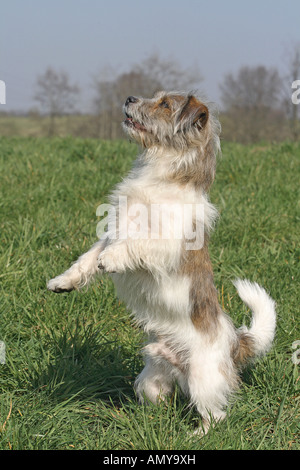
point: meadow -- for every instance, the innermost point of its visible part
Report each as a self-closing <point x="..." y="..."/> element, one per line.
<point x="71" y="359"/>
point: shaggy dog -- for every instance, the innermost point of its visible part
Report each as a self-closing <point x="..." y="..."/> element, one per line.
<point x="167" y="281"/>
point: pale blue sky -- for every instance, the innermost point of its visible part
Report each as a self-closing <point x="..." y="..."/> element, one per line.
<point x="84" y="36"/>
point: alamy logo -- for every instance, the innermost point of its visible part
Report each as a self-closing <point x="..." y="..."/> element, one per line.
<point x="152" y="221"/>
<point x="2" y="352"/>
<point x="296" y="354"/>
<point x="2" y="92"/>
<point x="296" y="94"/>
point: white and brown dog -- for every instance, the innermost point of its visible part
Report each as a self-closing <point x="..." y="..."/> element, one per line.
<point x="167" y="281"/>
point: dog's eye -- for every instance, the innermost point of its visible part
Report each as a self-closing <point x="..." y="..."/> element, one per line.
<point x="164" y="104"/>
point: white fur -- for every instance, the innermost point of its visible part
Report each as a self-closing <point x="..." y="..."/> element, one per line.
<point x="263" y="322"/>
<point x="147" y="277"/>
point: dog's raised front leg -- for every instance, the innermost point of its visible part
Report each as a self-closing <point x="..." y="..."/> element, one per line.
<point x="154" y="255"/>
<point x="80" y="273"/>
<point x="115" y="258"/>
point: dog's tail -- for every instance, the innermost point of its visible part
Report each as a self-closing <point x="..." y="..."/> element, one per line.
<point x="257" y="339"/>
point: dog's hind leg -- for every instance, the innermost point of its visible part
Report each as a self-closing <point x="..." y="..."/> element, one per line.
<point x="80" y="273"/>
<point x="210" y="385"/>
<point x="155" y="381"/>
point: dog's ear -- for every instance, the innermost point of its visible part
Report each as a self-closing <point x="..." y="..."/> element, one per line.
<point x="193" y="113"/>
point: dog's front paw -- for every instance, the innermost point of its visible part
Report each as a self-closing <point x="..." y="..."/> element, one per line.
<point x="61" y="283"/>
<point x="113" y="259"/>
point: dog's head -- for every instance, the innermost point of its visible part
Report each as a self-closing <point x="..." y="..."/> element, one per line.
<point x="183" y="130"/>
<point x="168" y="120"/>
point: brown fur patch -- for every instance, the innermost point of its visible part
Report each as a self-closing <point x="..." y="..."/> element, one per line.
<point x="162" y="350"/>
<point x="196" y="110"/>
<point x="244" y="349"/>
<point x="203" y="293"/>
<point x="165" y="112"/>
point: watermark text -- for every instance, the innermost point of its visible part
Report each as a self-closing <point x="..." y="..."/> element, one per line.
<point x="2" y="92"/>
<point x="296" y="354"/>
<point x="163" y="221"/>
<point x="296" y="94"/>
<point x="2" y="352"/>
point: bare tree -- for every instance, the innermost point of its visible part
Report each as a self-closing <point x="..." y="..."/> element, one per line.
<point x="168" y="74"/>
<point x="253" y="87"/>
<point x="55" y="94"/>
<point x="253" y="103"/>
<point x="110" y="96"/>
<point x="144" y="79"/>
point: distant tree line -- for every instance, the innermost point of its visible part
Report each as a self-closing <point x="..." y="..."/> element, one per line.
<point x="55" y="95"/>
<point x="256" y="101"/>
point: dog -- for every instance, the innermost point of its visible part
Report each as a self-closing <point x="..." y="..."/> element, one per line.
<point x="167" y="282"/>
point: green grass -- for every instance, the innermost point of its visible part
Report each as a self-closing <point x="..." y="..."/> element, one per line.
<point x="71" y="359"/>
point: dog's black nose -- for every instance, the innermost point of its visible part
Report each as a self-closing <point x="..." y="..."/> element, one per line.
<point x="130" y="99"/>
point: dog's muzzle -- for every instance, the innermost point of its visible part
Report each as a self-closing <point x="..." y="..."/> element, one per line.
<point x="129" y="120"/>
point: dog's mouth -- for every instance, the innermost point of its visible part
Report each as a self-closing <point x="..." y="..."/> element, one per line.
<point x="133" y="124"/>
